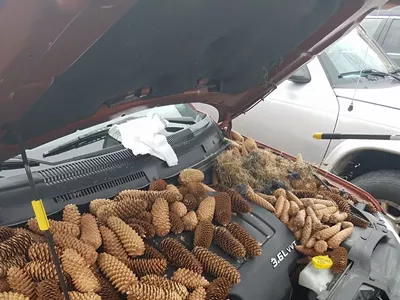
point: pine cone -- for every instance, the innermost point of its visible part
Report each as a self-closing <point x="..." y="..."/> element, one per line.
<point x="139" y="229"/>
<point x="305" y="251"/>
<point x="340" y="201"/>
<point x="145" y="216"/>
<point x="338" y="238"/>
<point x="179" y="208"/>
<point x="183" y="190"/>
<point x="49" y="289"/>
<point x="14" y="261"/>
<point x="293" y="209"/>
<point x="90" y="233"/>
<point x="117" y="272"/>
<point x="198" y="294"/>
<point x="131" y="241"/>
<point x="346" y="224"/>
<point x="12" y="296"/>
<point x="357" y="221"/>
<point x="280" y="192"/>
<point x="189" y="278"/>
<point x="124" y="209"/>
<point x="15" y="246"/>
<point x="300" y="219"/>
<point x="112" y="245"/>
<point x="83" y="296"/>
<point x="142" y="291"/>
<point x="292" y="197"/>
<point x="178" y="255"/>
<point x="55" y="226"/>
<point x="251" y="245"/>
<point x="149" y="196"/>
<point x="4" y="286"/>
<point x="307" y="230"/>
<point x="158" y="185"/>
<point x="71" y="214"/>
<point x="223" y="208"/>
<point x="177" y="225"/>
<point x="107" y="290"/>
<point x="203" y="234"/>
<point x="316" y="223"/>
<point x="196" y="189"/>
<point x="216" y="265"/>
<point x="218" y="289"/>
<point x="270" y="198"/>
<point x="36" y="238"/>
<point x="371" y="208"/>
<point x="41" y="251"/>
<point x="174" y="189"/>
<point x="328" y="233"/>
<point x="190" y="202"/>
<point x="97" y="203"/>
<point x="253" y="197"/>
<point x="206" y="209"/>
<point x="236" y="136"/>
<point x="228" y="243"/>
<point x="280" y="203"/>
<point x="239" y="204"/>
<point x="149" y="228"/>
<point x="160" y="212"/>
<point x="142" y="266"/>
<point x="5" y="233"/>
<point x="250" y="145"/>
<point x="165" y="284"/>
<point x="82" y="277"/>
<point x="20" y="282"/>
<point x="339" y="258"/>
<point x="190" y="221"/>
<point x="338" y="217"/>
<point x="304" y="193"/>
<point x="190" y="175"/>
<point x="66" y="241"/>
<point x="320" y="247"/>
<point x="151" y="252"/>
<point x="41" y="270"/>
<point x="285" y="212"/>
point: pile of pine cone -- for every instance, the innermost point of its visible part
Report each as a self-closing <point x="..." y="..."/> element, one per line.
<point x="104" y="253"/>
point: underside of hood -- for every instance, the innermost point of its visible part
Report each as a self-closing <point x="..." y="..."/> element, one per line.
<point x="67" y="65"/>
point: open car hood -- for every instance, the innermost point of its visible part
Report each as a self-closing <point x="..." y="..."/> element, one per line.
<point x="69" y="64"/>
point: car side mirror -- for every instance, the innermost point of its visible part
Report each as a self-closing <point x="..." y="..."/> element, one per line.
<point x="301" y="75"/>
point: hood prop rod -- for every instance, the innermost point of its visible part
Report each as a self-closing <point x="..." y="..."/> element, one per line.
<point x="37" y="204"/>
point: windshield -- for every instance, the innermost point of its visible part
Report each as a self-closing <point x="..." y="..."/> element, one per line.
<point x="353" y="53"/>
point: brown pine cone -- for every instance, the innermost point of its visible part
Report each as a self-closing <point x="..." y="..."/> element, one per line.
<point x="189" y="278"/>
<point x="206" y="209"/>
<point x="300" y="219"/>
<point x="71" y="214"/>
<point x="49" y="289"/>
<point x="83" y="278"/>
<point x="172" y="188"/>
<point x="41" y="251"/>
<point x="36" y="238"/>
<point x="285" y="212"/>
<point x="190" y="221"/>
<point x="12" y="296"/>
<point x="20" y="282"/>
<point x="151" y="252"/>
<point x="305" y="251"/>
<point x="66" y="241"/>
<point x="90" y="233"/>
<point x="5" y="233"/>
<point x="253" y="197"/>
<point x="14" y="261"/>
<point x="124" y="209"/>
<point x="112" y="245"/>
<point x="304" y="193"/>
<point x="160" y="212"/>
<point x="346" y="224"/>
<point x="326" y="234"/>
<point x="198" y="294"/>
<point x="371" y="208"/>
<point x="177" y="225"/>
<point x="190" y="175"/>
<point x="15" y="246"/>
<point x="280" y="203"/>
<point x="321" y="246"/>
<point x="158" y="185"/>
<point x="41" y="270"/>
<point x="131" y="241"/>
<point x="250" y="145"/>
<point x="149" y="196"/>
<point x="165" y="284"/>
<point x="107" y="290"/>
<point x="139" y="229"/>
<point x="142" y="291"/>
<point x="4" y="286"/>
<point x="307" y="230"/>
<point x="335" y="241"/>
<point x="218" y="289"/>
<point x="293" y="209"/>
<point x="203" y="234"/>
<point x="145" y="216"/>
<point x="97" y="203"/>
<point x="83" y="296"/>
<point x="316" y="223"/>
<point x="251" y="245"/>
<point x="196" y="189"/>
<point x="292" y="197"/>
<point x="339" y="258"/>
<point x="216" y="265"/>
<point x="190" y="202"/>
<point x="183" y="190"/>
<point x="338" y="217"/>
<point x="236" y="136"/>
<point x="340" y="201"/>
<point x="357" y="221"/>
<point x="178" y="255"/>
<point x="149" y="228"/>
<point x="223" y="208"/>
<point x="228" y="243"/>
<point x="55" y="226"/>
<point x="142" y="266"/>
<point x="239" y="204"/>
<point x="117" y="272"/>
<point x="179" y="208"/>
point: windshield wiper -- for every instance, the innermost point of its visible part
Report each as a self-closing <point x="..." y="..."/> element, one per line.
<point x="372" y="72"/>
<point x="13" y="164"/>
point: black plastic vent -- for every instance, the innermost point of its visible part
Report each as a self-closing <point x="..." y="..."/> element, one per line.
<point x="87" y="167"/>
<point x="98" y="188"/>
<point x="180" y="137"/>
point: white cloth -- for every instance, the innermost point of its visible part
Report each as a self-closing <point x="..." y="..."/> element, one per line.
<point x="146" y="135"/>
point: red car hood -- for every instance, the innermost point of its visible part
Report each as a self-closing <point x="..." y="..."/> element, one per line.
<point x="69" y="64"/>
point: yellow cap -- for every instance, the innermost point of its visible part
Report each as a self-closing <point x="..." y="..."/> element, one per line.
<point x="40" y="213"/>
<point x="317" y="136"/>
<point x="322" y="262"/>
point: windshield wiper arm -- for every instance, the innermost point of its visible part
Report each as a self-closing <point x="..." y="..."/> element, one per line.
<point x="367" y="72"/>
<point x="12" y="164"/>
